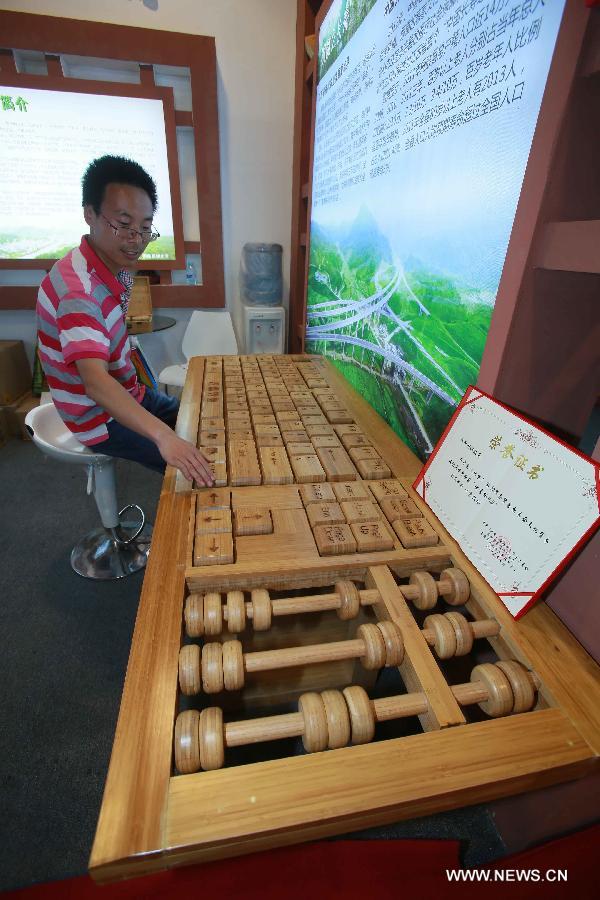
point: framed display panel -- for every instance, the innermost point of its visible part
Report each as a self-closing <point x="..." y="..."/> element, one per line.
<point x="106" y="89"/>
<point x="549" y="257"/>
<point x="152" y="817"/>
<point x="55" y="36"/>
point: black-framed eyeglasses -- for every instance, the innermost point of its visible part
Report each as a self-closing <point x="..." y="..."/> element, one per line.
<point x="126" y="231"/>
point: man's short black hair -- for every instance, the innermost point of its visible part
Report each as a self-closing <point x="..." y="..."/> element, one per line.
<point x="114" y="170"/>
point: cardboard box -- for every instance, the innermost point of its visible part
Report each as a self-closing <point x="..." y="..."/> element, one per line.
<point x="14" y="414"/>
<point x="139" y="312"/>
<point x="29" y="403"/>
<point x="15" y="371"/>
<point x="4" y="432"/>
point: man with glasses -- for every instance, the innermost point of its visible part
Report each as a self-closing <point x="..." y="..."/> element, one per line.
<point x="83" y="343"/>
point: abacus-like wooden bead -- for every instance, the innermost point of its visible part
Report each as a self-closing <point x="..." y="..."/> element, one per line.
<point x="444" y="634"/>
<point x="189" y="669"/>
<point x="428" y="592"/>
<point x="213" y="614"/>
<point x="315" y="735"/>
<point x="194" y="615"/>
<point x="338" y="719"/>
<point x="233" y="665"/>
<point x="394" y="644"/>
<point x="362" y="718"/>
<point x="187" y="748"/>
<point x="236" y="612"/>
<point x="500" y="695"/>
<point x="261" y="609"/>
<point x="374" y="655"/>
<point x="349" y="599"/>
<point x="460" y="587"/>
<point x="462" y="631"/>
<point x="212" y="668"/>
<point x="211" y="738"/>
<point x="520" y="684"/>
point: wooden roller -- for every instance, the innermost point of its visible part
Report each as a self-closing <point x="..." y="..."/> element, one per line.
<point x="223" y="666"/>
<point x="423" y="590"/>
<point x="334" y="719"/>
<point x="203" y="617"/>
<point x="378" y="645"/>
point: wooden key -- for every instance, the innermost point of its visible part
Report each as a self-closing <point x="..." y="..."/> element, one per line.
<point x="211" y="498"/>
<point x="275" y="465"/>
<point x="237" y="405"/>
<point x="294" y="424"/>
<point x="360" y="511"/>
<point x="243" y="463"/>
<point x="373" y="468"/>
<point x="351" y="490"/>
<point x="313" y="430"/>
<point x="371" y="536"/>
<point x="337" y="464"/>
<point x="399" y="508"/>
<point x="251" y="520"/>
<point x="219" y="473"/>
<point x="348" y="428"/>
<point x="306" y="448"/>
<point x="357" y="453"/>
<point x="212" y="437"/>
<point x="213" y="521"/>
<point x="415" y="532"/>
<point x="265" y="440"/>
<point x="312" y="419"/>
<point x="286" y="416"/>
<point x="261" y="419"/>
<point x="283" y="405"/>
<point x="307" y="468"/>
<point x="294" y="437"/>
<point x="213" y="549"/>
<point x="262" y="409"/>
<point x="326" y="396"/>
<point x="214" y="453"/>
<point x="306" y="409"/>
<point x="237" y="425"/>
<point x="325" y="514"/>
<point x="317" y="493"/>
<point x="383" y="489"/>
<point x="325" y="440"/>
<point x="270" y="430"/>
<point x="337" y="415"/>
<point x="214" y="423"/>
<point x="355" y="439"/>
<point x="334" y="539"/>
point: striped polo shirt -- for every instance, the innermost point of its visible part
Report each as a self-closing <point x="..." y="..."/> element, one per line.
<point x="80" y="308"/>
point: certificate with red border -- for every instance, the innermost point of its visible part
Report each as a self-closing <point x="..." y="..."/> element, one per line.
<point x="519" y="501"/>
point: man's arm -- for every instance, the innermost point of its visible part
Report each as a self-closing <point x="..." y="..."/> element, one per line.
<point x="117" y="401"/>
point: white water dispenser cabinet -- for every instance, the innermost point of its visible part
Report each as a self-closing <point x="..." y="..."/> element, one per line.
<point x="264" y="329"/>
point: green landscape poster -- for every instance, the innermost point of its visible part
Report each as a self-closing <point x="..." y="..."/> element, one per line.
<point x="425" y="117"/>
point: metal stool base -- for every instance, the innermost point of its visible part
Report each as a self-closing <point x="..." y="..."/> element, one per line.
<point x="98" y="555"/>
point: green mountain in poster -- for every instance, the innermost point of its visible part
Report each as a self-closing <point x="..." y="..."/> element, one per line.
<point x="408" y="338"/>
<point x="340" y="24"/>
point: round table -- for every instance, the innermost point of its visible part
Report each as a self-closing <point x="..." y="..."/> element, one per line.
<point x="159" y="323"/>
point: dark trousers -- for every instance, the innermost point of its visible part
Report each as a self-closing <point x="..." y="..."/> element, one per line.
<point x="124" y="443"/>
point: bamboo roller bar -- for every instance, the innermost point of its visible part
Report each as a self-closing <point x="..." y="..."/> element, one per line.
<point x="289" y="725"/>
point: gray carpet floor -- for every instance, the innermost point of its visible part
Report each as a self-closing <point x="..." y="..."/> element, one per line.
<point x="65" y="644"/>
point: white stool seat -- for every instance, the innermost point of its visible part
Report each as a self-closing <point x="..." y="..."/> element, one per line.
<point x="174" y="376"/>
<point x="103" y="553"/>
<point x="54" y="439"/>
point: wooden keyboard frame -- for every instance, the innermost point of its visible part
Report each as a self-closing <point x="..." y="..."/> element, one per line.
<point x="151" y="819"/>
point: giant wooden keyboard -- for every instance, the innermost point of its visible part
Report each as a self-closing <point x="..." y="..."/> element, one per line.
<point x="270" y="604"/>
